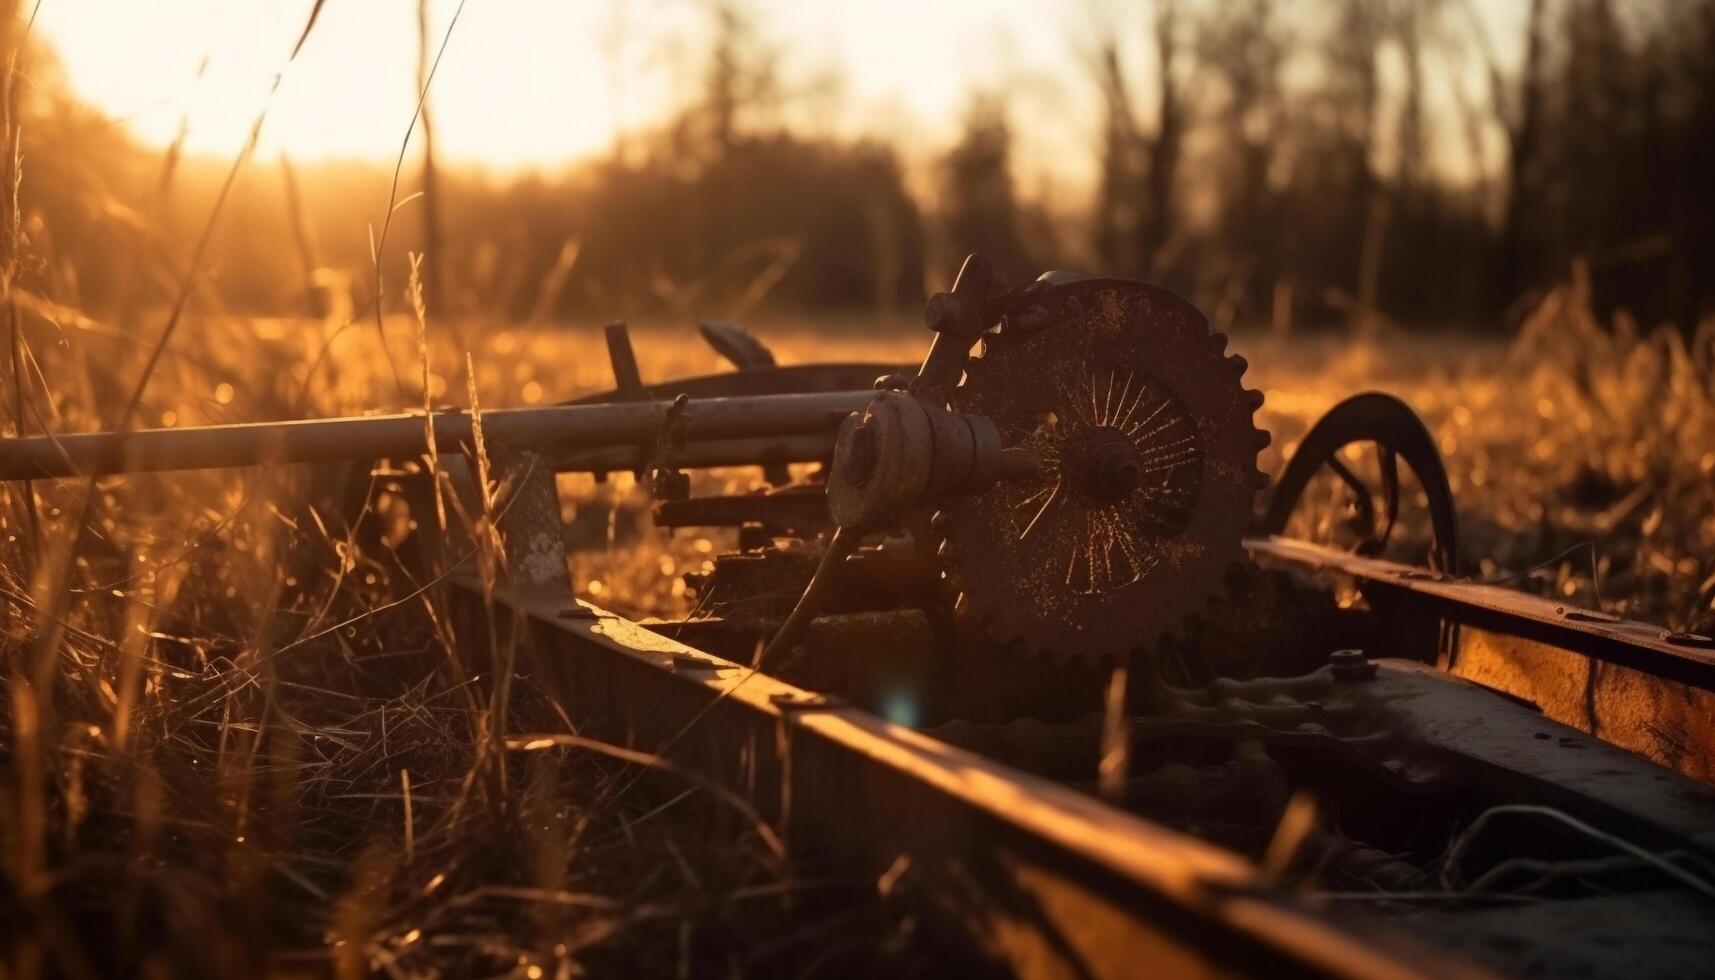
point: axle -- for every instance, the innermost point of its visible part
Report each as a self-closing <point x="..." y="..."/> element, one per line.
<point x="717" y="431"/>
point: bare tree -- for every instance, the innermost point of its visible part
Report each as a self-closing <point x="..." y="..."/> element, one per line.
<point x="1409" y="25"/>
<point x="740" y="78"/>
<point x="1157" y="227"/>
<point x="1135" y="212"/>
<point x="1242" y="47"/>
<point x="1517" y="105"/>
<point x="980" y="208"/>
<point x="1355" y="82"/>
<point x="1113" y="217"/>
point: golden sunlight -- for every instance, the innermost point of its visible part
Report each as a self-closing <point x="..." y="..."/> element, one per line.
<point x="901" y="488"/>
<point x="522" y="84"/>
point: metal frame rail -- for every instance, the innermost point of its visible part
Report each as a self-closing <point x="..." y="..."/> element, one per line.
<point x="1630" y="683"/>
<point x="1048" y="880"/>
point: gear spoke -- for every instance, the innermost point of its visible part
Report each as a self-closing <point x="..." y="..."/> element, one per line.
<point x="1054" y="494"/>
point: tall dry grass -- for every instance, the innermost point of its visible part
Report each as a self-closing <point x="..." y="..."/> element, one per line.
<point x="1581" y="453"/>
<point x="242" y="734"/>
<point x="241" y="764"/>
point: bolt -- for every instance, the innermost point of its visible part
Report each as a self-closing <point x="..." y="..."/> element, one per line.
<point x="1679" y="638"/>
<point x="1351" y="665"/>
<point x="1116" y="472"/>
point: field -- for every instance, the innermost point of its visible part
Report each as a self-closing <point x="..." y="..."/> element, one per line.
<point x="242" y="731"/>
<point x="253" y="743"/>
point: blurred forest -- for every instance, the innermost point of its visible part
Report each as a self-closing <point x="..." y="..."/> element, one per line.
<point x="1274" y="160"/>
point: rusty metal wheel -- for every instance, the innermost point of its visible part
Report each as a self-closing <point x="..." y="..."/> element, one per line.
<point x="1148" y="475"/>
<point x="1379" y="418"/>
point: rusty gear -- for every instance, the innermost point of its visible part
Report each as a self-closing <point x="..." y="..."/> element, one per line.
<point x="1148" y="471"/>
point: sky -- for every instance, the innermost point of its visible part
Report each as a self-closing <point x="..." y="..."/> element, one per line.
<point x="541" y="84"/>
<point x="523" y="83"/>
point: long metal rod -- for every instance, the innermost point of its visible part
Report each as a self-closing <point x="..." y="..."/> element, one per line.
<point x="560" y="429"/>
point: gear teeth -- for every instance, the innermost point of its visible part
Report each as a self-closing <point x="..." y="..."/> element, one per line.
<point x="1262" y="439"/>
<point x="999" y="355"/>
<point x="1261" y="480"/>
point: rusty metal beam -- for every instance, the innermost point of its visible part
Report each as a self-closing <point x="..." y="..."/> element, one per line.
<point x="1629" y="683"/>
<point x="1046" y="879"/>
<point x="1517" y="755"/>
<point x="1642" y="646"/>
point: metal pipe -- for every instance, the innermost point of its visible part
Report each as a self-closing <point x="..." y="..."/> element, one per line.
<point x="757" y="450"/>
<point x="554" y="429"/>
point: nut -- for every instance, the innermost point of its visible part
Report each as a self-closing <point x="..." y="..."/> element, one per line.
<point x="1116" y="472"/>
<point x="1351" y="665"/>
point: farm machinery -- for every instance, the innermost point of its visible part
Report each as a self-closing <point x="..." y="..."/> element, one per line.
<point x="1008" y="630"/>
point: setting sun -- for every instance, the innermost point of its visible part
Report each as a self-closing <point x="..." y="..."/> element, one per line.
<point x="520" y="84"/>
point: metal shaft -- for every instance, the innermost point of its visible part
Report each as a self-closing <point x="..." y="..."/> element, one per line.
<point x="560" y="430"/>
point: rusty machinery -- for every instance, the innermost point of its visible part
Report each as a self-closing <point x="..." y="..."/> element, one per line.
<point x="1090" y="469"/>
<point x="1065" y="486"/>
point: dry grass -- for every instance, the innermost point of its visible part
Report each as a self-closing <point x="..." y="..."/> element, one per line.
<point x="1581" y="455"/>
<point x="229" y="761"/>
<point x="240" y="738"/>
<point x="223" y="759"/>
